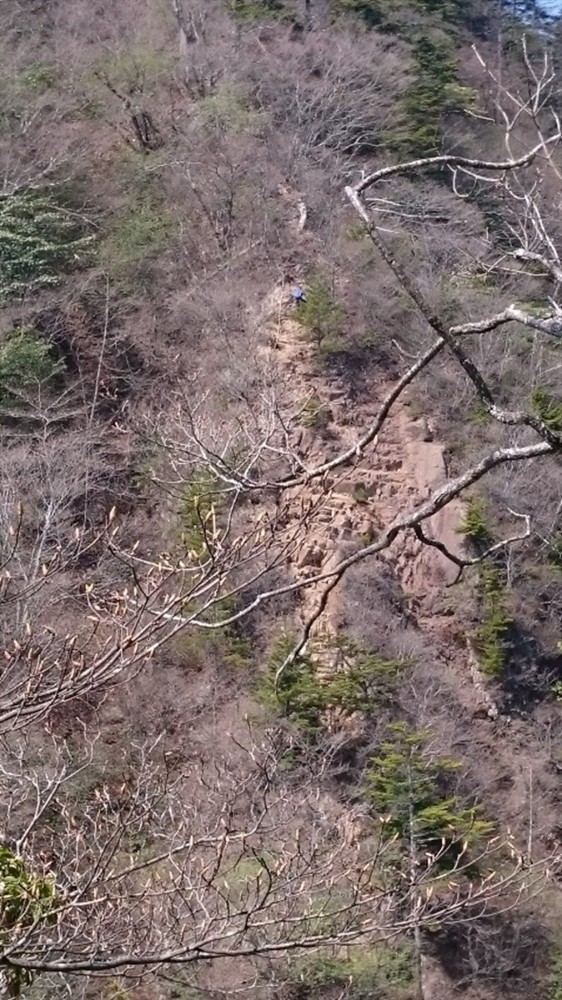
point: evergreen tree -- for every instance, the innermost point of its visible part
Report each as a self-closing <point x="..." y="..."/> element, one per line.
<point x="405" y="784"/>
<point x="37" y="242"/>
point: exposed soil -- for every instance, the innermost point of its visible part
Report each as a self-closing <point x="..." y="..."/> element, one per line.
<point x="399" y="471"/>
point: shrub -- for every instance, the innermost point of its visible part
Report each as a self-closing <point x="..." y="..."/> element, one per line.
<point x="554" y="980"/>
<point x="320" y="314"/>
<point x="38" y="240"/>
<point x="490" y="636"/>
<point x="479" y="415"/>
<point x="360" y="493"/>
<point x="26" y="363"/>
<point x="380" y="971"/>
<point x="200" y="503"/>
<point x="556" y="692"/>
<point x="435" y="91"/>
<point x="554" y="556"/>
<point x="230" y="109"/>
<point x="299" y="695"/>
<point x="373" y="12"/>
<point x="492" y="208"/>
<point x="475" y="523"/>
<point x="236" y="648"/>
<point x="362" y="682"/>
<point x="134" y="69"/>
<point x="315" y="414"/>
<point x="224" y="646"/>
<point x="200" y="523"/>
<point x="39" y="77"/>
<point x="135" y="238"/>
<point x="547" y="408"/>
<point x="381" y="13"/>
<point x="26" y="898"/>
<point x="257" y="10"/>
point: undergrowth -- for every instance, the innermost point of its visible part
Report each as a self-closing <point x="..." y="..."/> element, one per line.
<point x="548" y="408"/>
<point x="363" y="681"/>
<point x="27" y="363"/>
<point x="39" y="241"/>
<point x="383" y="971"/>
<point x="135" y="238"/>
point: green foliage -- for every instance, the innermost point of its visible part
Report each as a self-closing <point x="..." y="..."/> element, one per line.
<point x="360" y="493"/>
<point x="554" y="556"/>
<point x="404" y="785"/>
<point x="448" y="9"/>
<point x="200" y="503"/>
<point x="315" y="414"/>
<point x="435" y="91"/>
<point x="479" y="415"/>
<point x="321" y="315"/>
<point x="547" y="408"/>
<point x="335" y="347"/>
<point x="134" y="69"/>
<point x="497" y="222"/>
<point x="38" y="240"/>
<point x="298" y="695"/>
<point x="229" y="109"/>
<point x="25" y="898"/>
<point x="362" y="681"/>
<point x="223" y="645"/>
<point x="537" y="306"/>
<point x="373" y="12"/>
<point x="490" y="636"/>
<point x="474" y="524"/>
<point x="27" y="363"/>
<point x="200" y="514"/>
<point x="556" y="692"/>
<point x="135" y="239"/>
<point x="257" y="10"/>
<point x="403" y="14"/>
<point x="357" y="232"/>
<point x="236" y="648"/>
<point x="382" y="971"/>
<point x="554" y="979"/>
<point x="115" y="991"/>
<point x="39" y="77"/>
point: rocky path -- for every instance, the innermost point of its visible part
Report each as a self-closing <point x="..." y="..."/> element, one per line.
<point x="355" y="502"/>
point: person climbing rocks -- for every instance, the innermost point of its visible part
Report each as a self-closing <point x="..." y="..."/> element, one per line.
<point x="299" y="296"/>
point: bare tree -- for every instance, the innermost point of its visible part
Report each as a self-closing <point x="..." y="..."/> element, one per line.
<point x="256" y="457"/>
<point x="334" y="96"/>
<point x="165" y="864"/>
<point x="268" y="460"/>
<point x="147" y="874"/>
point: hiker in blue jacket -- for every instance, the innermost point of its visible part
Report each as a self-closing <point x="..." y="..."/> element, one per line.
<point x="299" y="296"/>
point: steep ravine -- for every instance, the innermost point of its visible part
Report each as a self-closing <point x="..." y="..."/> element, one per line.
<point x="401" y="471"/>
<point x="357" y="500"/>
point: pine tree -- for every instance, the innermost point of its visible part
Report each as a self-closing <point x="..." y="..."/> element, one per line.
<point x="405" y="785"/>
<point x="433" y="830"/>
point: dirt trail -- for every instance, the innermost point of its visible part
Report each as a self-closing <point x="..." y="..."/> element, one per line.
<point x="356" y="502"/>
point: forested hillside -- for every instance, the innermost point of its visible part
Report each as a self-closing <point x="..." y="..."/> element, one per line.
<point x="281" y="499"/>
